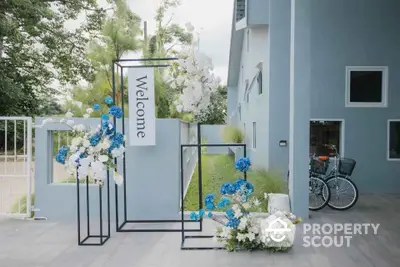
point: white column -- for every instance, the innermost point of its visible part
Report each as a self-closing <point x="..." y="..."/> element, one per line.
<point x="299" y="105"/>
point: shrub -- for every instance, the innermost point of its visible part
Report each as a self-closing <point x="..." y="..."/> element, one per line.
<point x="19" y="206"/>
<point x="232" y="134"/>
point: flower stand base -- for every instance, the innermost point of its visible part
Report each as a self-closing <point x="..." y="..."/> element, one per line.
<point x="93" y="239"/>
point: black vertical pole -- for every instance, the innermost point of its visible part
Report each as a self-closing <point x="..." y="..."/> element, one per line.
<point x="115" y="160"/>
<point x="101" y="212"/>
<point x="123" y="132"/>
<point x="108" y="203"/>
<point x="200" y="172"/>
<point x="87" y="205"/>
<point x="182" y="199"/>
<point x="78" y="209"/>
<point x="244" y="155"/>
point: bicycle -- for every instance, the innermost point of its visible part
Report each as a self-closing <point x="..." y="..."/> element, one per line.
<point x="343" y="192"/>
<point x="319" y="193"/>
<point x="317" y="188"/>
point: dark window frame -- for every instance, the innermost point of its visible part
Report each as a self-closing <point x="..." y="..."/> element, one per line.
<point x="350" y="70"/>
<point x="393" y="146"/>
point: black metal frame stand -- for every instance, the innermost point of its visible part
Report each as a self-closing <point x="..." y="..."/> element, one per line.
<point x="126" y="221"/>
<point x="183" y="231"/>
<point x="101" y="236"/>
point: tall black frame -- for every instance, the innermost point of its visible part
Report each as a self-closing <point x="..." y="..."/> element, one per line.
<point x="183" y="231"/>
<point x="103" y="238"/>
<point x="120" y="226"/>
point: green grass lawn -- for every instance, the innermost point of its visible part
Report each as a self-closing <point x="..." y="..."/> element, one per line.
<point x="219" y="169"/>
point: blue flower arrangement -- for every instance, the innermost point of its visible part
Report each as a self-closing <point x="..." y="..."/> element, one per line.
<point x="240" y="229"/>
<point x="237" y="192"/>
<point x="95" y="149"/>
<point x="243" y="164"/>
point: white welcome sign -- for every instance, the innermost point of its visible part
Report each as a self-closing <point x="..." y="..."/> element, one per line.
<point x="142" y="117"/>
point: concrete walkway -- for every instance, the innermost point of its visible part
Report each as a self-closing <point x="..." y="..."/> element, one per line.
<point x="52" y="244"/>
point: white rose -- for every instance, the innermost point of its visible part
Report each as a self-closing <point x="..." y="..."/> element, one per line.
<point x="69" y="114"/>
<point x="76" y="141"/>
<point x="79" y="127"/>
<point x="89" y="111"/>
<point x="179" y="108"/>
<point x="70" y="122"/>
<point x="86" y="143"/>
<point x="119" y="179"/>
<point x="82" y="149"/>
<point x="105" y="144"/>
<point x="103" y="158"/>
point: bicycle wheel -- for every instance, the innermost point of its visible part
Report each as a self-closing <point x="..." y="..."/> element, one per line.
<point x="319" y="194"/>
<point x="344" y="193"/>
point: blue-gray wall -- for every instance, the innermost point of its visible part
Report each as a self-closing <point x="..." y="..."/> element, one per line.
<point x="343" y="33"/>
<point x="258" y="12"/>
<point x="279" y="64"/>
<point x="357" y="33"/>
<point x="153" y="177"/>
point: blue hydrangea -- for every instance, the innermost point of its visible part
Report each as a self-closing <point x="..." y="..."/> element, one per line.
<point x="243" y="164"/>
<point x="116" y="112"/>
<point x="233" y="223"/>
<point x="227" y="189"/>
<point x="94" y="140"/>
<point x="118" y="138"/>
<point x="210" y="215"/>
<point x="116" y="141"/>
<point x="230" y="214"/>
<point x="242" y="183"/>
<point x="96" y="107"/>
<point x="209" y="201"/>
<point x="62" y="154"/>
<point x="110" y="130"/>
<point x="105" y="117"/>
<point x="194" y="216"/>
<point x="108" y="100"/>
<point x="201" y="213"/>
<point x="224" y="202"/>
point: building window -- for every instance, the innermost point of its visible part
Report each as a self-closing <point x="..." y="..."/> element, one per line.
<point x="248" y="40"/>
<point x="393" y="139"/>
<point x="240" y="9"/>
<point x="259" y="82"/>
<point x="325" y="133"/>
<point x="254" y="143"/>
<point x="366" y="86"/>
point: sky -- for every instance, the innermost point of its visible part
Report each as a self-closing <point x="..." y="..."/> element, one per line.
<point x="212" y="19"/>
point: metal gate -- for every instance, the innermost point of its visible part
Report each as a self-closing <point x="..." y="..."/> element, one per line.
<point x="16" y="177"/>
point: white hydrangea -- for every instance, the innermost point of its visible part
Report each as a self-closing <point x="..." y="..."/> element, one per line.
<point x="119" y="179"/>
<point x="197" y="82"/>
<point x="69" y="114"/>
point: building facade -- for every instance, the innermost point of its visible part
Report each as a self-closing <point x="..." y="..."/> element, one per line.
<point x="304" y="73"/>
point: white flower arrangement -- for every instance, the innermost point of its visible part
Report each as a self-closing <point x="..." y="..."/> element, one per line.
<point x="241" y="228"/>
<point x="92" y="152"/>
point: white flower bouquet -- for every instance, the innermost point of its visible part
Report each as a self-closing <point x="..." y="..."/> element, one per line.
<point x="241" y="228"/>
<point x="93" y="151"/>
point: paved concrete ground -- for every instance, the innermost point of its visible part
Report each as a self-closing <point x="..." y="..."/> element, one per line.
<point x="52" y="244"/>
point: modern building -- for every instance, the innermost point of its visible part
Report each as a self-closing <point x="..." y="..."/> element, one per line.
<point x="309" y="72"/>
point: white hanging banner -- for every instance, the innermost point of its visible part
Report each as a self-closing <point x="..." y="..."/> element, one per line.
<point x="142" y="117"/>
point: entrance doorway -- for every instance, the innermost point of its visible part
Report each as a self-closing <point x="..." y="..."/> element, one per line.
<point x="326" y="132"/>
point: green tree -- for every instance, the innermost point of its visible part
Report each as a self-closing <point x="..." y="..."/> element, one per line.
<point x="36" y="50"/>
<point x="120" y="34"/>
<point x="216" y="111"/>
<point x="162" y="44"/>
